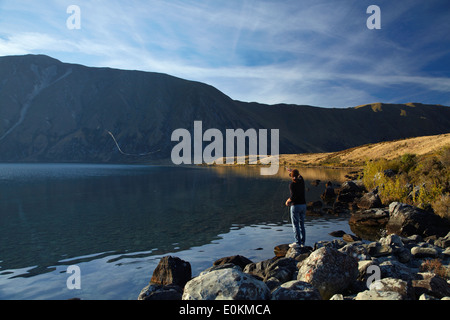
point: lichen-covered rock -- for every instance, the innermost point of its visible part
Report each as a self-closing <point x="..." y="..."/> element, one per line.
<point x="226" y="284"/>
<point x="403" y="288"/>
<point x="378" y="295"/>
<point x="329" y="270"/>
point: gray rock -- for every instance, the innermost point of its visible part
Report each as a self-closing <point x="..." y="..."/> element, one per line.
<point x="226" y="284"/>
<point x="160" y="292"/>
<point x="296" y="290"/>
<point x="376" y="249"/>
<point x="329" y="270"/>
<point x="357" y="250"/>
<point x="279" y="273"/>
<point x="336" y="244"/>
<point x="220" y="267"/>
<point x="281" y="269"/>
<point x="407" y="220"/>
<point x="299" y="253"/>
<point x="422" y="252"/>
<point x="374" y="218"/>
<point x="363" y="266"/>
<point x="431" y="284"/>
<point x="369" y="200"/>
<point x="238" y="260"/>
<point x="395" y="243"/>
<point x="259" y="268"/>
<point x="403" y="288"/>
<point x="378" y="295"/>
<point x="392" y="240"/>
<point x="395" y="269"/>
<point x="403" y="255"/>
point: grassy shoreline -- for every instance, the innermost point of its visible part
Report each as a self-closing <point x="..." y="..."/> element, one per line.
<point x="414" y="171"/>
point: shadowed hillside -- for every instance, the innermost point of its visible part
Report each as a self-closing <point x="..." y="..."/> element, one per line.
<point x="57" y="112"/>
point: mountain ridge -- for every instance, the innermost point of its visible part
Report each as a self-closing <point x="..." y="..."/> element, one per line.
<point x="52" y="111"/>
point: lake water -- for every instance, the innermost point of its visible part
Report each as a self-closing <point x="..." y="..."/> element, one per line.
<point x="115" y="222"/>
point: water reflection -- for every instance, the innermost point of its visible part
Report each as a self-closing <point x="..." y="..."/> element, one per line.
<point x="53" y="215"/>
<point x="309" y="173"/>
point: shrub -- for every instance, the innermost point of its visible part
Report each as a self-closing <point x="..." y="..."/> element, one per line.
<point x="407" y="162"/>
<point x="390" y="189"/>
<point x="435" y="266"/>
<point x="430" y="174"/>
<point x="441" y="206"/>
<point x="444" y="156"/>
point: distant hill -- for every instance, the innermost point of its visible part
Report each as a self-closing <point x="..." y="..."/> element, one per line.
<point x="58" y="112"/>
<point x="383" y="150"/>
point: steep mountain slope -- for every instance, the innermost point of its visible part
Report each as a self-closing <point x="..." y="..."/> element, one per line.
<point x="57" y="112"/>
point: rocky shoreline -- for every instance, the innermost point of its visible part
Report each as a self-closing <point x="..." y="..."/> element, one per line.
<point x="397" y="266"/>
<point x="405" y="255"/>
<point x="393" y="268"/>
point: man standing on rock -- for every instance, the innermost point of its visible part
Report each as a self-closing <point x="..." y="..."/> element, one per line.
<point x="297" y="203"/>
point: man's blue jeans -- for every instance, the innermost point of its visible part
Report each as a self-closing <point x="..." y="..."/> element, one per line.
<point x="298" y="213"/>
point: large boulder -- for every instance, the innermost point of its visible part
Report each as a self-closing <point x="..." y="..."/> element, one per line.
<point x="226" y="284"/>
<point x="406" y="220"/>
<point x="329" y="270"/>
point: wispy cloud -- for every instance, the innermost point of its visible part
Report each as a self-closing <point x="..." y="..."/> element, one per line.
<point x="303" y="52"/>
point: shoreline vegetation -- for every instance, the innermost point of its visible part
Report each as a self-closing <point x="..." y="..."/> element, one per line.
<point x="415" y="171"/>
<point x="398" y="204"/>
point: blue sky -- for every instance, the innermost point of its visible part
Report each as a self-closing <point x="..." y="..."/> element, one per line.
<point x="312" y="52"/>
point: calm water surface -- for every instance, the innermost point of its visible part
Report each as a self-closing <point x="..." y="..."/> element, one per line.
<point x="116" y="221"/>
